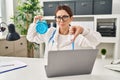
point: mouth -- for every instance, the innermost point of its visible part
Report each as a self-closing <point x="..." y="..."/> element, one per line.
<point x="62" y="24"/>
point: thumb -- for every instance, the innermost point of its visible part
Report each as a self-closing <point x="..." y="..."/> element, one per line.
<point x="75" y="35"/>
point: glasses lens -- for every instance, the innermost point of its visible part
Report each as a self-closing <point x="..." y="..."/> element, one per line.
<point x="58" y="18"/>
<point x="64" y="18"/>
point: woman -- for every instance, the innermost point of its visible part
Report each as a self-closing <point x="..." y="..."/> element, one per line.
<point x="64" y="37"/>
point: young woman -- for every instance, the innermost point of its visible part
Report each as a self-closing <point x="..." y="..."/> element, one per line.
<point x="64" y="37"/>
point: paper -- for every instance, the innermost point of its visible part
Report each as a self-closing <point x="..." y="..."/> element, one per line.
<point x="113" y="67"/>
<point x="12" y="65"/>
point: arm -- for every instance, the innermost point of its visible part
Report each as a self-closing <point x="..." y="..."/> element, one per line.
<point x="90" y="38"/>
<point x="32" y="36"/>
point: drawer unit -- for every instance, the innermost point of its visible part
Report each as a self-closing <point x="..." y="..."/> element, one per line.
<point x="20" y="44"/>
<point x="6" y="47"/>
<point x="16" y="48"/>
<point x="21" y="47"/>
<point x="102" y="7"/>
<point x="84" y="7"/>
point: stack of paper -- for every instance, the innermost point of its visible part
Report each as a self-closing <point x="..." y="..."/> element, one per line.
<point x="115" y="67"/>
<point x="12" y="65"/>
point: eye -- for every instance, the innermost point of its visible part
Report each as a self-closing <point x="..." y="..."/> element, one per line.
<point x="65" y="16"/>
<point x="58" y="17"/>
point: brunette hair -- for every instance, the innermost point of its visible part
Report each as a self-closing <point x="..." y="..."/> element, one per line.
<point x="66" y="8"/>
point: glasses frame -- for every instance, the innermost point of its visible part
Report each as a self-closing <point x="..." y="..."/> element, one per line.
<point x="63" y="18"/>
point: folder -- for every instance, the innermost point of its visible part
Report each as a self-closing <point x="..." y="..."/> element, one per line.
<point x="11" y="65"/>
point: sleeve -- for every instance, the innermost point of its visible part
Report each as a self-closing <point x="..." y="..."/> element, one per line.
<point x="90" y="38"/>
<point x="33" y="36"/>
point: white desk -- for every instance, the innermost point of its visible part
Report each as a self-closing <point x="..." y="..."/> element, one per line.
<point x="35" y="71"/>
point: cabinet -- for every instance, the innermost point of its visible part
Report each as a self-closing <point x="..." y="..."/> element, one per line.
<point x="111" y="43"/>
<point x="49" y="7"/>
<point x="16" y="48"/>
<point x="84" y="7"/>
<point x="79" y="7"/>
<point x="102" y="7"/>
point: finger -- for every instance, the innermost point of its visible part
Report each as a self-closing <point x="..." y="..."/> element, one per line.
<point x="40" y="17"/>
<point x="71" y="30"/>
<point x="35" y="19"/>
<point x="76" y="33"/>
<point x="73" y="39"/>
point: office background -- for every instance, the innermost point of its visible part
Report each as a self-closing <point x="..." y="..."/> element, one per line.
<point x="8" y="8"/>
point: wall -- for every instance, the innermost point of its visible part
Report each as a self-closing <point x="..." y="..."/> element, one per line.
<point x="9" y="10"/>
<point x="116" y="7"/>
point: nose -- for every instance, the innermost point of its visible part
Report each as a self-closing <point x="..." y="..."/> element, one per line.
<point x="61" y="20"/>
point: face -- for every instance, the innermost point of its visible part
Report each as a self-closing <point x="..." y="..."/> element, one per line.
<point x="63" y="19"/>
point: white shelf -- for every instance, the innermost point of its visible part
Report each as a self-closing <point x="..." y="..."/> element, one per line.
<point x="87" y="16"/>
<point x="108" y="40"/>
<point x="48" y="17"/>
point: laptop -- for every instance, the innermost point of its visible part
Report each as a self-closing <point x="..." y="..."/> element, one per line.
<point x="70" y="62"/>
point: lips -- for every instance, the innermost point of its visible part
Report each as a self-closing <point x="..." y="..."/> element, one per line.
<point x="62" y="24"/>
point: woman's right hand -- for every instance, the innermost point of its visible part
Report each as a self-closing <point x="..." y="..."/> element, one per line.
<point x="38" y="17"/>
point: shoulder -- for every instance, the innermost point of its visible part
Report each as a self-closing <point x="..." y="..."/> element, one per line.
<point x="50" y="31"/>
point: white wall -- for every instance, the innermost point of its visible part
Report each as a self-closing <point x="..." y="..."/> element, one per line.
<point x="0" y="11"/>
<point x="3" y="10"/>
<point x="116" y="7"/>
<point x="9" y="10"/>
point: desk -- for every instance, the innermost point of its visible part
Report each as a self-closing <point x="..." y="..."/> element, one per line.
<point x="35" y="71"/>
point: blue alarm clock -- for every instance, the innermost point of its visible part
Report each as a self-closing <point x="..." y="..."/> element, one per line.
<point x="41" y="27"/>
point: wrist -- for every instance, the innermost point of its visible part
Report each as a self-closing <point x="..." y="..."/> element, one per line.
<point x="81" y="30"/>
<point x="85" y="31"/>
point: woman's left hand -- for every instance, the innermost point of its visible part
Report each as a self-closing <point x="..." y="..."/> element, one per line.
<point x="75" y="30"/>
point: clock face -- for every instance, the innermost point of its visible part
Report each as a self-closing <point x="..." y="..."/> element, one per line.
<point x="41" y="27"/>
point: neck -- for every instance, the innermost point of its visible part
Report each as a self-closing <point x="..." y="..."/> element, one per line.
<point x="64" y="31"/>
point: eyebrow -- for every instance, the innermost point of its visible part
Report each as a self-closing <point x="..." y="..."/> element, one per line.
<point x="62" y="15"/>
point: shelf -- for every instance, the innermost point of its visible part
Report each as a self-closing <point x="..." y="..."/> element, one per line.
<point x="106" y="16"/>
<point x="108" y="40"/>
<point x="48" y="17"/>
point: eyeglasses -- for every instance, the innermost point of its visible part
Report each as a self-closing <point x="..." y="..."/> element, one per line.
<point x="64" y="18"/>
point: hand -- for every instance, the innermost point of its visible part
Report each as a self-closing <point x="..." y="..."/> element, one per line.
<point x="75" y="30"/>
<point x="37" y="18"/>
